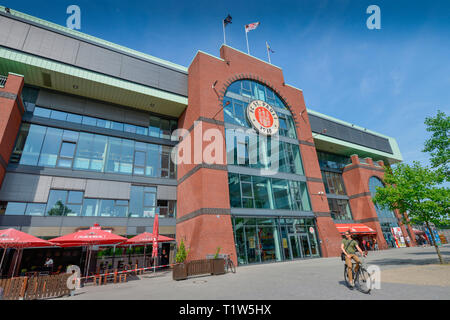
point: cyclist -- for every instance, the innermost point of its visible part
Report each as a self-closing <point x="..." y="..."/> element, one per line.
<point x="349" y="247"/>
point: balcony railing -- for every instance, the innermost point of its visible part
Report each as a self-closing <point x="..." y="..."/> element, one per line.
<point x="3" y="81"/>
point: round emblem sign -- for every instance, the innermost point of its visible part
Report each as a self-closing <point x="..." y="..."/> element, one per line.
<point x="263" y="117"/>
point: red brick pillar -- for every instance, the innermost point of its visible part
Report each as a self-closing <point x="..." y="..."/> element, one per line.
<point x="11" y="111"/>
<point x="356" y="180"/>
<point x="203" y="204"/>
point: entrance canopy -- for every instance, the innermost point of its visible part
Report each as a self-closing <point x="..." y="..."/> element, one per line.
<point x="355" y="228"/>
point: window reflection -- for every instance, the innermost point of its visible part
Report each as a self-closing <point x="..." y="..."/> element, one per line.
<point x="50" y="147"/>
<point x="267" y="193"/>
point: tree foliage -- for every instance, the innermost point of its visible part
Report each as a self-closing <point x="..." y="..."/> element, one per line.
<point x="416" y="190"/>
<point x="439" y="144"/>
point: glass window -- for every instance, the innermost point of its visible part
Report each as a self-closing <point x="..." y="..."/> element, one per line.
<point x="136" y="201"/>
<point x="98" y="152"/>
<point x="153" y="128"/>
<point x="41" y="112"/>
<point x="15" y="209"/>
<point x="106" y="208"/>
<point x="235" y="190"/>
<point x="241" y="92"/>
<point x="56" y="205"/>
<point x="281" y="194"/>
<point x="121" y="208"/>
<point x="117" y="126"/>
<point x="35" y="209"/>
<point x="126" y="159"/>
<point x="262" y="194"/>
<point x="90" y="207"/>
<point x="340" y="209"/>
<point x="149" y="199"/>
<point x="75" y="197"/>
<point x="83" y="155"/>
<point x="50" y="147"/>
<point x="153" y="164"/>
<point x="139" y="162"/>
<point x="142" y="131"/>
<point x="103" y="123"/>
<point x="113" y="155"/>
<point x="33" y="145"/>
<point x="58" y="115"/>
<point x="165" y="129"/>
<point x="66" y="154"/>
<point x="129" y="128"/>
<point x="89" y="121"/>
<point x="333" y="183"/>
<point x="74" y="118"/>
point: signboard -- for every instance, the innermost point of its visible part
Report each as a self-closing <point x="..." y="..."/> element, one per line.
<point x="285" y="243"/>
<point x="398" y="236"/>
<point x="251" y="242"/>
<point x="263" y="117"/>
<point x="311" y="230"/>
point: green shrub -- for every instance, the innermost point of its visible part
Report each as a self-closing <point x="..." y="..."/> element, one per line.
<point x="181" y="253"/>
<point x="217" y="253"/>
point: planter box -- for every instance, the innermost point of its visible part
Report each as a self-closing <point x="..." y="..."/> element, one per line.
<point x="217" y="266"/>
<point x="179" y="272"/>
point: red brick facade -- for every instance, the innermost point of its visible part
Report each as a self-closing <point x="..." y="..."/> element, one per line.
<point x="203" y="205"/>
<point x="11" y="111"/>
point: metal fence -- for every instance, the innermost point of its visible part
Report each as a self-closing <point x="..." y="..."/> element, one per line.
<point x="3" y="81"/>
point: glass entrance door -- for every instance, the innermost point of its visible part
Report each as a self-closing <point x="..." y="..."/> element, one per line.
<point x="306" y="248"/>
<point x="295" y="246"/>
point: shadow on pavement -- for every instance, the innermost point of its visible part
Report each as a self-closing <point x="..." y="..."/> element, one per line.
<point x="416" y="262"/>
<point x="444" y="253"/>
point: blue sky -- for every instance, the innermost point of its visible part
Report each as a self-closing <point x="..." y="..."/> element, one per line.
<point x="385" y="80"/>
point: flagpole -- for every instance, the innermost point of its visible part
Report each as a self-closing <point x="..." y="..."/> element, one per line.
<point x="246" y="37"/>
<point x="223" y="26"/>
<point x="268" y="52"/>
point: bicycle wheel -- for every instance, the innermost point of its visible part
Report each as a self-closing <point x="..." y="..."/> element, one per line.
<point x="230" y="266"/>
<point x="363" y="282"/>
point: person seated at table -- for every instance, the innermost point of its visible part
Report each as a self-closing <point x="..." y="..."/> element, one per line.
<point x="49" y="264"/>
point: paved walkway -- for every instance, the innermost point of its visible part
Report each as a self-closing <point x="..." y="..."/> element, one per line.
<point x="406" y="273"/>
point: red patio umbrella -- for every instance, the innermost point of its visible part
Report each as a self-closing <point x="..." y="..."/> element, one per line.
<point x="12" y="238"/>
<point x="91" y="237"/>
<point x="147" y="237"/>
<point x="155" y="238"/>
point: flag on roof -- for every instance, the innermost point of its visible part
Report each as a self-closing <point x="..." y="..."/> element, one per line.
<point x="227" y="20"/>
<point x="269" y="48"/>
<point x="251" y="26"/>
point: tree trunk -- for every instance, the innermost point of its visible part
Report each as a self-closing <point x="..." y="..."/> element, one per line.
<point x="434" y="243"/>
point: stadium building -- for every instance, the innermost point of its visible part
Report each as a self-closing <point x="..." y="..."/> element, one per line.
<point x="85" y="136"/>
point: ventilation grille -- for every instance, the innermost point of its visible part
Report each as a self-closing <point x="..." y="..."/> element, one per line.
<point x="47" y="79"/>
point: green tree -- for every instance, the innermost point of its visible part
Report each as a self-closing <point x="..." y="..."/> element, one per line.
<point x="439" y="144"/>
<point x="418" y="191"/>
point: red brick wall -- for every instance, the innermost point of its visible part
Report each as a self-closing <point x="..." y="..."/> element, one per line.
<point x="11" y="110"/>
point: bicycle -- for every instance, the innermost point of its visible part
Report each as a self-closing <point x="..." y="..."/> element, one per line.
<point x="229" y="264"/>
<point x="361" y="278"/>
